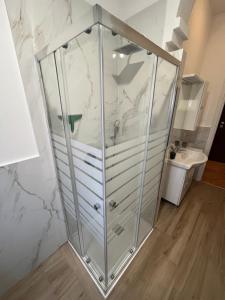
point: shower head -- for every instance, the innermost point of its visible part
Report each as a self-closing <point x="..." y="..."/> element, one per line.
<point x="128" y="49"/>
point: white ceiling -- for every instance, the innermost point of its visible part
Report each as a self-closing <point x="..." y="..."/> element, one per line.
<point x="218" y="6"/>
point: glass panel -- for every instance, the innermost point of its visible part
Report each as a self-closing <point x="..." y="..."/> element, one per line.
<point x="49" y="75"/>
<point x="161" y="115"/>
<point x="127" y="82"/>
<point x="163" y="103"/>
<point x="80" y="69"/>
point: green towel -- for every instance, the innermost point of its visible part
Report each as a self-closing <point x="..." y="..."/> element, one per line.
<point x="72" y="119"/>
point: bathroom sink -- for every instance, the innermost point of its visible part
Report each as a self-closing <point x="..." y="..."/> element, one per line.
<point x="187" y="158"/>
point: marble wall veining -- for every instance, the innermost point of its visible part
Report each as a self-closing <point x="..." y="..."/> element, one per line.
<point x="131" y="77"/>
<point x="126" y="95"/>
<point x="31" y="218"/>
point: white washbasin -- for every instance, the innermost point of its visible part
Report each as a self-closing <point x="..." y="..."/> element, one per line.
<point x="188" y="158"/>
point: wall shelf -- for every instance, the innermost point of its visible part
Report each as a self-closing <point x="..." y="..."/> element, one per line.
<point x="192" y="78"/>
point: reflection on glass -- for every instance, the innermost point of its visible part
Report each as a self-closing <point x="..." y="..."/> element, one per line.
<point x="80" y="61"/>
<point x="166" y="73"/>
<point x="50" y="82"/>
<point x="127" y="82"/>
<point x="80" y="67"/>
<point x="157" y="143"/>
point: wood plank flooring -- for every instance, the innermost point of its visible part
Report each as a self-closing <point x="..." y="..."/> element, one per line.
<point x="183" y="259"/>
<point x="214" y="173"/>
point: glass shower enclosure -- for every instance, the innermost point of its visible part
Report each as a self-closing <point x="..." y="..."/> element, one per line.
<point x="110" y="96"/>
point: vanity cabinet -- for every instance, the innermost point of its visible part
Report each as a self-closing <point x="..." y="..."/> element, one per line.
<point x="190" y="102"/>
<point x="177" y="183"/>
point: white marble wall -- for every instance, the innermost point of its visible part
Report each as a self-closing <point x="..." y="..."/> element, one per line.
<point x="134" y="97"/>
<point x="126" y="89"/>
<point x="126" y="102"/>
<point x="82" y="81"/>
<point x="31" y="219"/>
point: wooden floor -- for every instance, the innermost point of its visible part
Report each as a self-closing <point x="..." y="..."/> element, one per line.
<point x="183" y="259"/>
<point x="215" y="173"/>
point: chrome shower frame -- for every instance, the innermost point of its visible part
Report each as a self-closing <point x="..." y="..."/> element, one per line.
<point x="97" y="15"/>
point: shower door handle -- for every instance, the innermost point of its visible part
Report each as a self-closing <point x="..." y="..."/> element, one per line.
<point x="113" y="204"/>
<point x="96" y="206"/>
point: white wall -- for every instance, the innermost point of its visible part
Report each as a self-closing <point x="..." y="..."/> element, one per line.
<point x="213" y="69"/>
<point x="199" y="29"/>
<point x="205" y="51"/>
<point x="205" y="56"/>
<point x="17" y="140"/>
<point x="150" y="21"/>
<point x="114" y="7"/>
<point x="164" y="22"/>
<point x="123" y="9"/>
<point x="132" y="7"/>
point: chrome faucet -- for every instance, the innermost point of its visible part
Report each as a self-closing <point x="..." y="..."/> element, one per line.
<point x="180" y="145"/>
<point x="116" y="128"/>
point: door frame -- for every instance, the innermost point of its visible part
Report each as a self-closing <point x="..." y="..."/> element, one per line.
<point x="216" y="120"/>
<point x="213" y="129"/>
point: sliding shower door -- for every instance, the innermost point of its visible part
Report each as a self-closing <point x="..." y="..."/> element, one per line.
<point x="127" y="82"/>
<point x="57" y="125"/>
<point x="159" y="127"/>
<point x="78" y="64"/>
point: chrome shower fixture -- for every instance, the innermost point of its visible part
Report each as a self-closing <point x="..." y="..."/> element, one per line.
<point x="128" y="49"/>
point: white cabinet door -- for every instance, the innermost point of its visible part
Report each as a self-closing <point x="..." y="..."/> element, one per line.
<point x="175" y="178"/>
